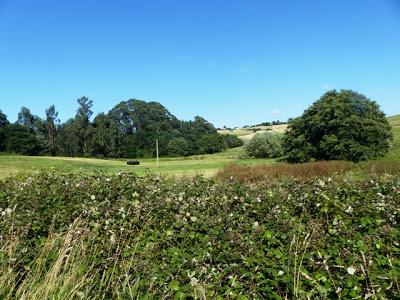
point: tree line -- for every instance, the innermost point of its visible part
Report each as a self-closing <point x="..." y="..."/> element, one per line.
<point x="129" y="129"/>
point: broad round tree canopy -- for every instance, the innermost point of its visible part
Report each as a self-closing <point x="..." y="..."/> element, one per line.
<point x="341" y="125"/>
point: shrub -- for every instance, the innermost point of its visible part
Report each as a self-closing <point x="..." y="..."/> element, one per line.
<point x="232" y="141"/>
<point x="265" y="145"/>
<point x="178" y="147"/>
<point x="341" y="125"/>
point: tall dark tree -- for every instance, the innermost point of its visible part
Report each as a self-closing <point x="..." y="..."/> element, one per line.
<point x="67" y="143"/>
<point x="20" y="139"/>
<point x="51" y="124"/>
<point x="341" y="125"/>
<point x="3" y="122"/>
<point x="139" y="123"/>
<point x="3" y="119"/>
<point x="82" y="122"/>
<point x="25" y="118"/>
<point x="104" y="137"/>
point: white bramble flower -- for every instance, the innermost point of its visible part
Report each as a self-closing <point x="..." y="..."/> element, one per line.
<point x="351" y="270"/>
<point x="112" y="239"/>
<point x="280" y="273"/>
<point x="92" y="197"/>
<point x="349" y="209"/>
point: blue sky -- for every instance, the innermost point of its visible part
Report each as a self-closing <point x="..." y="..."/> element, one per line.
<point x="232" y="62"/>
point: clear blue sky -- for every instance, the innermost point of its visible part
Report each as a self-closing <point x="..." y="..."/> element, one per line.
<point x="232" y="62"/>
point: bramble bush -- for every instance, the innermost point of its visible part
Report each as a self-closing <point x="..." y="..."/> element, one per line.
<point x="67" y="236"/>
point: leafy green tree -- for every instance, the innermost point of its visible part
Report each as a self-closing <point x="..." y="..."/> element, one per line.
<point x="67" y="142"/>
<point x="25" y="118"/>
<point x="81" y="124"/>
<point x="232" y="141"/>
<point x="178" y="147"/>
<point x="19" y="139"/>
<point x="265" y="145"/>
<point x="51" y="125"/>
<point x="3" y="119"/>
<point x="3" y="122"/>
<point x="341" y="125"/>
<point x="104" y="137"/>
<point x="139" y="123"/>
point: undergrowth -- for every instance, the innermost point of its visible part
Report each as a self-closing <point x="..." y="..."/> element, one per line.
<point x="65" y="236"/>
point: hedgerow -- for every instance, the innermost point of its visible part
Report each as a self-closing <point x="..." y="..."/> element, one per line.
<point x="67" y="236"/>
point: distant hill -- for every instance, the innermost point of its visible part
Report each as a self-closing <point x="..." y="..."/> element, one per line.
<point x="394" y="120"/>
<point x="394" y="152"/>
<point x="247" y="133"/>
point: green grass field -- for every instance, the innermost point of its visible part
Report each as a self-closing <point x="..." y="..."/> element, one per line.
<point x="206" y="165"/>
<point x="394" y="153"/>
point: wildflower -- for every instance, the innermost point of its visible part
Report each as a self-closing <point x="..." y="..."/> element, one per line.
<point x="349" y="209"/>
<point x="351" y="270"/>
<point x="280" y="273"/>
<point x="92" y="197"/>
<point x="255" y="224"/>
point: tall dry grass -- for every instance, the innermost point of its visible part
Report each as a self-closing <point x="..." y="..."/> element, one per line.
<point x="303" y="171"/>
<point x="64" y="269"/>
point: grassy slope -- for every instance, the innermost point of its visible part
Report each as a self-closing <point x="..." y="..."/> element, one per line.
<point x="201" y="164"/>
<point x="394" y="153"/>
<point x="247" y="133"/>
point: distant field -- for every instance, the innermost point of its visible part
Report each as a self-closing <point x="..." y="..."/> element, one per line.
<point x="246" y="134"/>
<point x="206" y="165"/>
<point x="394" y="153"/>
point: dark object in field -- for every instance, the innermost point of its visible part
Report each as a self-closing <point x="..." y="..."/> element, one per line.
<point x="133" y="162"/>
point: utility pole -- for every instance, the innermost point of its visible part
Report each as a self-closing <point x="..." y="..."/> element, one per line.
<point x="158" y="165"/>
<point x="157" y="151"/>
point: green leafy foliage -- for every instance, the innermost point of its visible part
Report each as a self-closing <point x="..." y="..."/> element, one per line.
<point x="115" y="237"/>
<point x="265" y="145"/>
<point x="19" y="139"/>
<point x="232" y="141"/>
<point x="341" y="125"/>
<point x="130" y="129"/>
